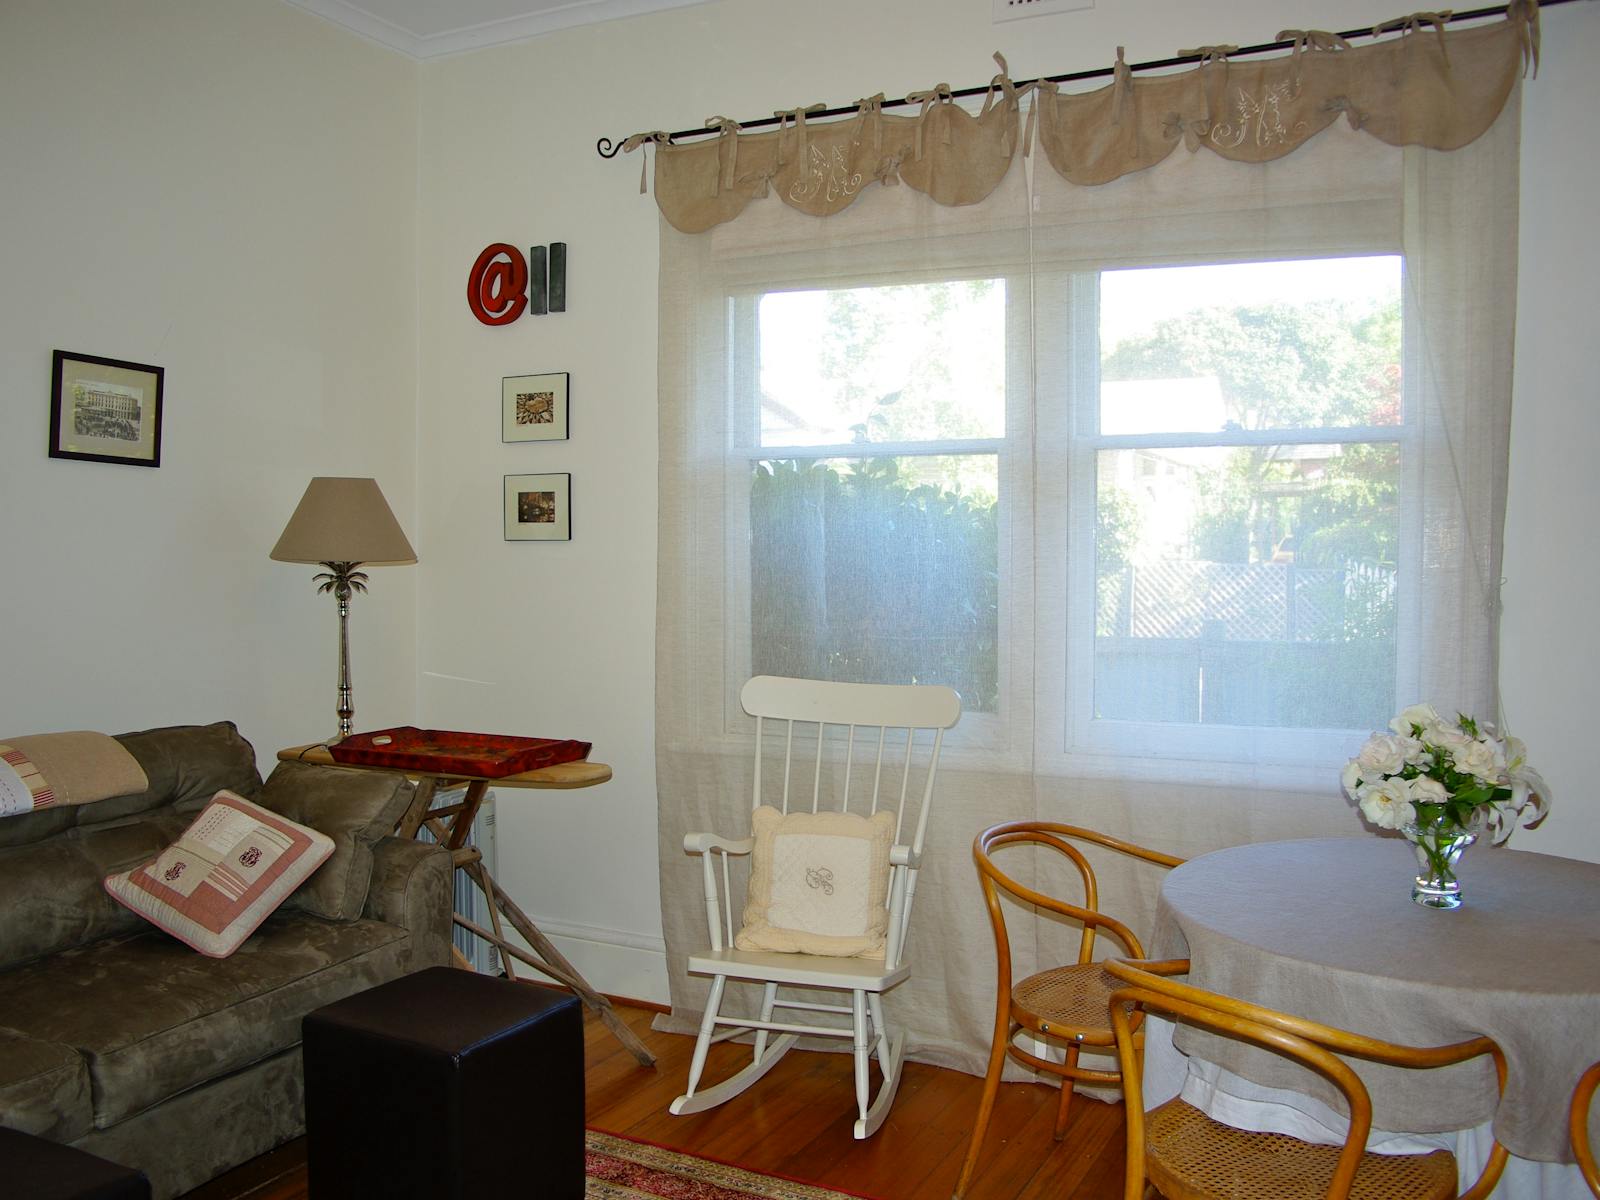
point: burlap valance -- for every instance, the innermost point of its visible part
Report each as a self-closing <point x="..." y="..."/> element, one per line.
<point x="1429" y="87"/>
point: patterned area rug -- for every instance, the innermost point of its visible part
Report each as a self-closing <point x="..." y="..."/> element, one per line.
<point x="623" y="1169"/>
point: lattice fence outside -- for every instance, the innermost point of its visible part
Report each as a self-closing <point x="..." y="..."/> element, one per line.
<point x="1272" y="602"/>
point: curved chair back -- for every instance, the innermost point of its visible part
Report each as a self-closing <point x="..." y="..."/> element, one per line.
<point x="1315" y="1046"/>
<point x="1582" y="1149"/>
<point x="1059" y="838"/>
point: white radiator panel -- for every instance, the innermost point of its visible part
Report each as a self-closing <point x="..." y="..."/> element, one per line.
<point x="469" y="901"/>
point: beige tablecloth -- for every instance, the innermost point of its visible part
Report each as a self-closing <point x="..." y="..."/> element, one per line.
<point x="1326" y="929"/>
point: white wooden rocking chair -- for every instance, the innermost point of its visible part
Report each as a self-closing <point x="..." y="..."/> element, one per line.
<point x="885" y="712"/>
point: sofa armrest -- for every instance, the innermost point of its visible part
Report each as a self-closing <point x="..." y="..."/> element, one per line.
<point x="413" y="887"/>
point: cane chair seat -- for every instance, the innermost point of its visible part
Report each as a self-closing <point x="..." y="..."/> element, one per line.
<point x="1189" y="1156"/>
<point x="1067" y="1001"/>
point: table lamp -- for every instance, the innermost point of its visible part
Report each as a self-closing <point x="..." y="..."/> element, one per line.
<point x="343" y="524"/>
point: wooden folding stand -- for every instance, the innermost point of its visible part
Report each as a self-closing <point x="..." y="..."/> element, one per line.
<point x="450" y="826"/>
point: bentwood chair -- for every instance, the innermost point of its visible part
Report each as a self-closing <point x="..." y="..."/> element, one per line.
<point x="890" y="764"/>
<point x="1582" y="1095"/>
<point x="1189" y="1156"/>
<point x="1064" y="1004"/>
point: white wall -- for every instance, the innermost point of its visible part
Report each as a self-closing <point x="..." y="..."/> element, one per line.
<point x="557" y="639"/>
<point x="227" y="189"/>
<point x="1549" y="637"/>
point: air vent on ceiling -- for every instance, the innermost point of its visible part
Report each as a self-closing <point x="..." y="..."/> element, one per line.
<point x="1014" y="10"/>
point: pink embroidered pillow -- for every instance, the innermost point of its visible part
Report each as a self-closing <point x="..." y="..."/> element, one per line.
<point x="225" y="875"/>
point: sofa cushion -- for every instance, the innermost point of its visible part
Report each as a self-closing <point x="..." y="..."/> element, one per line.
<point x="355" y="809"/>
<point x="153" y="1019"/>
<point x="186" y="766"/>
<point x="44" y="1088"/>
<point x="50" y="893"/>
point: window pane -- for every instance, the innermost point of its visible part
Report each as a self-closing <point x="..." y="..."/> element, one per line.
<point x="877" y="570"/>
<point x="1247" y="585"/>
<point x="1269" y="345"/>
<point x="913" y="363"/>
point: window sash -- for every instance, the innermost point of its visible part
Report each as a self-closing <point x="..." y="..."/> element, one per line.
<point x="997" y="733"/>
<point x="1073" y="739"/>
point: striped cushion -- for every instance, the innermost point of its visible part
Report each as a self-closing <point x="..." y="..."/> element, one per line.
<point x="231" y="868"/>
<point x="50" y="769"/>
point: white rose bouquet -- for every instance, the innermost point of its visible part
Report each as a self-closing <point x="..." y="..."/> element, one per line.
<point x="1434" y="773"/>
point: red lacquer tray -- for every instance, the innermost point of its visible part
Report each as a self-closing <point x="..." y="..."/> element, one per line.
<point x="446" y="752"/>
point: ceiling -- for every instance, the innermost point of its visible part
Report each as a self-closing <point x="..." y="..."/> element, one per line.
<point x="433" y="28"/>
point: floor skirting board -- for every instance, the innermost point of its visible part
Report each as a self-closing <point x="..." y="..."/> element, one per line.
<point x="614" y="961"/>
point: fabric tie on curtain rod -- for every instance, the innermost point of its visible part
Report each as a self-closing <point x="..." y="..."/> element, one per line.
<point x="1427" y="86"/>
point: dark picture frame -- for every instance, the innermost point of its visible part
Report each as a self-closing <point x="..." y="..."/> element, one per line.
<point x="534" y="408"/>
<point x="538" y="508"/>
<point x="105" y="410"/>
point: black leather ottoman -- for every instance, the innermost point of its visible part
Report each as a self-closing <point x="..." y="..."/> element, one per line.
<point x="445" y="1084"/>
<point x="36" y="1169"/>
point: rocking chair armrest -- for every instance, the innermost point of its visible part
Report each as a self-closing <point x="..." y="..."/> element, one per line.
<point x="704" y="843"/>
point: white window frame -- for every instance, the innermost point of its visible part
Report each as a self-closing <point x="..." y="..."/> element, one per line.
<point x="1047" y="489"/>
<point x="992" y="731"/>
<point x="1220" y="754"/>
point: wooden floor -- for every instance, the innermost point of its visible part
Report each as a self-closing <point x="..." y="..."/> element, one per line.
<point x="797" y="1122"/>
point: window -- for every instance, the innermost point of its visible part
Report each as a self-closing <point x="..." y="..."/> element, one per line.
<point x="1218" y="470"/>
<point x="1244" y="455"/>
<point x="872" y="433"/>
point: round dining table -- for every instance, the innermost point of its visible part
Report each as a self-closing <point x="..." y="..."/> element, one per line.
<point x="1326" y="929"/>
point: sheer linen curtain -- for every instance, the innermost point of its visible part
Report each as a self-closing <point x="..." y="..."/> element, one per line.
<point x="1004" y="516"/>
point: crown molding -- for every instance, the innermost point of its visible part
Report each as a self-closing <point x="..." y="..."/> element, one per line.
<point x="423" y="47"/>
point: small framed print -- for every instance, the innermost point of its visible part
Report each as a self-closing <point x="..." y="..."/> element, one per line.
<point x="539" y="508"/>
<point x="105" y="410"/>
<point x="533" y="408"/>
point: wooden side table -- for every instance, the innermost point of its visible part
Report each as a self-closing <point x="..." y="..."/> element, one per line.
<point x="450" y="826"/>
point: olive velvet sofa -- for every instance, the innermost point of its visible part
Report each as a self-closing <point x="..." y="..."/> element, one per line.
<point x="119" y="1039"/>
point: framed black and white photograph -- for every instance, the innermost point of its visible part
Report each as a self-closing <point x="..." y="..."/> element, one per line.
<point x="533" y="408"/>
<point x="105" y="410"/>
<point x="539" y="508"/>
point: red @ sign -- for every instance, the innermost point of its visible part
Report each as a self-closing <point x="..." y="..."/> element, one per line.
<point x="497" y="289"/>
<point x="503" y="284"/>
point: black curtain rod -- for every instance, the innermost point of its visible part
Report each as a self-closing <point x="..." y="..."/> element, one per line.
<point x="608" y="149"/>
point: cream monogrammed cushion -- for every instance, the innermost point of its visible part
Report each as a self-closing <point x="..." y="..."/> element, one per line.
<point x="818" y="884"/>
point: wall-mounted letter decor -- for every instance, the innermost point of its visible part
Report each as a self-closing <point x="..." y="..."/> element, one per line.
<point x="497" y="287"/>
<point x="503" y="284"/>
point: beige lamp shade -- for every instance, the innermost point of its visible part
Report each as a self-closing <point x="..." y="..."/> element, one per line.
<point x="344" y="521"/>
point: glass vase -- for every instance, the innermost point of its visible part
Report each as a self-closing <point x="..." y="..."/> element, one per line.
<point x="1438" y="845"/>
